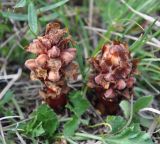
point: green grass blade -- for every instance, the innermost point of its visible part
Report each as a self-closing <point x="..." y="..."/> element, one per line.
<point x="32" y="18"/>
<point x="52" y="6"/>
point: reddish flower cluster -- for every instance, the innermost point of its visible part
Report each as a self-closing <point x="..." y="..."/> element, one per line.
<point x="112" y="76"/>
<point x="53" y="65"/>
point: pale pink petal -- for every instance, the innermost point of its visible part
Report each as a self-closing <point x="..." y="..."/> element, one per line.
<point x="109" y="93"/>
<point x="68" y="55"/>
<point x="130" y="82"/>
<point x="54" y="76"/>
<point x="41" y="60"/>
<point x="108" y="77"/>
<point x="31" y="64"/>
<point x="46" y="42"/>
<point x="121" y="84"/>
<point x="54" y="52"/>
<point x="99" y="78"/>
<point x="36" y="47"/>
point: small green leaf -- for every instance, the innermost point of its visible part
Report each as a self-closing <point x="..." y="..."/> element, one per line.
<point x="142" y="102"/>
<point x="21" y="3"/>
<point x="71" y="126"/>
<point x="15" y="16"/>
<point x="125" y="106"/>
<point x="130" y="135"/>
<point x="44" y="122"/>
<point x="32" y="18"/>
<point x="48" y="118"/>
<point x="51" y="6"/>
<point x="116" y="122"/>
<point x="38" y="131"/>
<point x="78" y="104"/>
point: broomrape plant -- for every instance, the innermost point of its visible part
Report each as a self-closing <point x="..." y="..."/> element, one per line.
<point x="54" y="65"/>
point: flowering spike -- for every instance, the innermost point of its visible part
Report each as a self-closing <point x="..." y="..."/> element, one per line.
<point x="112" y="76"/>
<point x="54" y="64"/>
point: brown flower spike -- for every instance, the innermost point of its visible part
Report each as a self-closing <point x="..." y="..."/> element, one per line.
<point x="112" y="76"/>
<point x="53" y="65"/>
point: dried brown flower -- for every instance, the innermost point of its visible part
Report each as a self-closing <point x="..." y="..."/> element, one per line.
<point x="112" y="76"/>
<point x="53" y="65"/>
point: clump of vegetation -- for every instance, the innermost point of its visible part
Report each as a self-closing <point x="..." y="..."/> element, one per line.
<point x="97" y="27"/>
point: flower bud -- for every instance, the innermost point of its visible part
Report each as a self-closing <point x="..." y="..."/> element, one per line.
<point x="54" y="64"/>
<point x="45" y="41"/>
<point x="68" y="55"/>
<point x="36" y="47"/>
<point x="41" y="60"/>
<point x="130" y="82"/>
<point x="54" y="52"/>
<point x="121" y="84"/>
<point x="55" y="35"/>
<point x="109" y="77"/>
<point x="109" y="93"/>
<point x="115" y="60"/>
<point x="54" y="76"/>
<point x="99" y="78"/>
<point x="31" y="64"/>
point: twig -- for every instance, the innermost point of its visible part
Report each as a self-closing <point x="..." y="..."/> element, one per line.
<point x="155" y="122"/>
<point x="17" y="123"/>
<point x="9" y="39"/>
<point x="152" y="127"/>
<point x="12" y="36"/>
<point x="20" y="138"/>
<point x="10" y="83"/>
<point x="7" y="76"/>
<point x="90" y="17"/>
<point x="120" y="35"/>
<point x="18" y="108"/>
<point x="10" y="52"/>
<point x="156" y="131"/>
<point x="146" y="17"/>
<point x="3" y="69"/>
<point x="9" y="117"/>
<point x="155" y="40"/>
<point x="149" y="110"/>
<point x="2" y="134"/>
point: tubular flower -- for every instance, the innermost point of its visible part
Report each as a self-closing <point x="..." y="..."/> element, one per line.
<point x="53" y="64"/>
<point x="112" y="76"/>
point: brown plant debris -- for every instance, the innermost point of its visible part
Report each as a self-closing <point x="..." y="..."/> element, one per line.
<point x="54" y="64"/>
<point x="112" y="76"/>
